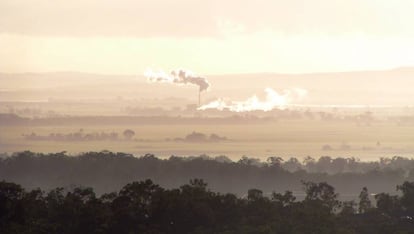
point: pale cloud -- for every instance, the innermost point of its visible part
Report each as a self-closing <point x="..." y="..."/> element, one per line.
<point x="208" y="36"/>
<point x="240" y="53"/>
<point x="203" y="18"/>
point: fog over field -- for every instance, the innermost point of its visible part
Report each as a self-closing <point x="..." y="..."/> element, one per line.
<point x="337" y="114"/>
<point x="206" y="116"/>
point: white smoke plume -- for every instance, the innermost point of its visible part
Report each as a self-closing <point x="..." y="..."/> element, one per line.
<point x="273" y="100"/>
<point x="178" y="76"/>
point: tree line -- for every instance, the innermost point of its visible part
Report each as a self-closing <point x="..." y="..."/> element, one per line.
<point x="81" y="135"/>
<point x="213" y="117"/>
<point x="108" y="171"/>
<point x="145" y="207"/>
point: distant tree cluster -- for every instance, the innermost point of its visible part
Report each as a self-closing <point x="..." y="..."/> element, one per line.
<point x="31" y="112"/>
<point x="204" y="117"/>
<point x="198" y="137"/>
<point x="25" y="111"/>
<point x="81" y="136"/>
<point x="331" y="165"/>
<point x="145" y="207"/>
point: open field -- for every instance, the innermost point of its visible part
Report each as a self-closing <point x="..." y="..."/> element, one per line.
<point x="286" y="139"/>
<point x="65" y="102"/>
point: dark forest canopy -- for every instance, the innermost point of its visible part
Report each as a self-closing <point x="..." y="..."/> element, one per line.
<point x="107" y="172"/>
<point x="145" y="207"/>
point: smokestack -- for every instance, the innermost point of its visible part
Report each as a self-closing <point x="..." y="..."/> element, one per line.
<point x="199" y="98"/>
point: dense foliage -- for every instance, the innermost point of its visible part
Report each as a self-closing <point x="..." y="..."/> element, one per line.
<point x="145" y="207"/>
<point x="107" y="172"/>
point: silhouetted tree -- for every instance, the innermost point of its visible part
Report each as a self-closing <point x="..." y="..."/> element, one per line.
<point x="274" y="161"/>
<point x="388" y="204"/>
<point x="407" y="199"/>
<point x="364" y="201"/>
<point x="128" y="134"/>
<point x="322" y="193"/>
<point x="285" y="199"/>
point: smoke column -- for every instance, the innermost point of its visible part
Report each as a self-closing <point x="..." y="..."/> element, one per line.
<point x="273" y="100"/>
<point x="179" y="76"/>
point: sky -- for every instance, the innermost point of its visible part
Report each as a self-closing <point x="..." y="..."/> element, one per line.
<point x="205" y="36"/>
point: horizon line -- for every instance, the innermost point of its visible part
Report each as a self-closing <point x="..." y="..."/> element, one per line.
<point x="219" y="74"/>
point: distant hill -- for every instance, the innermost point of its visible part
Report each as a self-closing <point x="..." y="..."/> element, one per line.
<point x="390" y="87"/>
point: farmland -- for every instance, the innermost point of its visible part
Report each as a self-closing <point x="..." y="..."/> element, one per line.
<point x="285" y="138"/>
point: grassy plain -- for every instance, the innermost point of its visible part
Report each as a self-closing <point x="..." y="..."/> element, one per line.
<point x="296" y="138"/>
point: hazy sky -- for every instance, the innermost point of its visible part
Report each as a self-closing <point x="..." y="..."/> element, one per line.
<point x="206" y="36"/>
